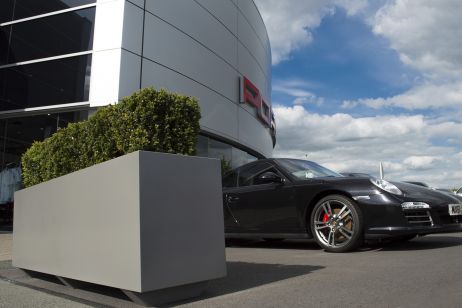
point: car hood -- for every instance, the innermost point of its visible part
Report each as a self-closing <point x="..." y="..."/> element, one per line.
<point x="420" y="193"/>
<point x="411" y="192"/>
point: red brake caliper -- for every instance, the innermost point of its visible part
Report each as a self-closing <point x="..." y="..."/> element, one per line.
<point x="325" y="218"/>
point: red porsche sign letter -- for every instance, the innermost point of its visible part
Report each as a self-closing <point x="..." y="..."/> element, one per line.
<point x="250" y="94"/>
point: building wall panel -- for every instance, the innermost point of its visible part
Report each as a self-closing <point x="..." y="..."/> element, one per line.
<point x="173" y="49"/>
<point x="132" y="35"/>
<point x="253" y="134"/>
<point x="223" y="10"/>
<point x="251" y="41"/>
<point x="219" y="115"/>
<point x="198" y="23"/>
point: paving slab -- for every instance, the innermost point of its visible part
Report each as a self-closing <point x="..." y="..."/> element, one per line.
<point x="424" y="272"/>
<point x="6" y="241"/>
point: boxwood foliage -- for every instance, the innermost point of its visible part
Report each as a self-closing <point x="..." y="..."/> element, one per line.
<point x="148" y="120"/>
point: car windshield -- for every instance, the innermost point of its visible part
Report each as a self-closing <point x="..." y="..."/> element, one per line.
<point x="303" y="169"/>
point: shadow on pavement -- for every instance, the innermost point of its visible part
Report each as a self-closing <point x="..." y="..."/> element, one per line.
<point x="433" y="241"/>
<point x="89" y="294"/>
<point x="284" y="244"/>
<point x="420" y="243"/>
<point x="243" y="276"/>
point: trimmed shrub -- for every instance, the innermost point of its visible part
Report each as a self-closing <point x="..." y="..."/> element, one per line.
<point x="148" y="120"/>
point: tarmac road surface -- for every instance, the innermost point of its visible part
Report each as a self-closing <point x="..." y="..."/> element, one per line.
<point x="425" y="272"/>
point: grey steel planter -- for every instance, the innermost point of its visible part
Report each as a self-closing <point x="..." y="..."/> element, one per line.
<point x="148" y="223"/>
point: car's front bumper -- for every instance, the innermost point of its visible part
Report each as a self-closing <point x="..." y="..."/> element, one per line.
<point x="384" y="217"/>
<point x="385" y="232"/>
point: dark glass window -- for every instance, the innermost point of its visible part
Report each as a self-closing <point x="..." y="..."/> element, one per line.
<point x="17" y="135"/>
<point x="220" y="150"/>
<point x="2" y="142"/>
<point x="230" y="180"/>
<point x="18" y="9"/>
<point x="4" y="39"/>
<point x="6" y="10"/>
<point x="45" y="83"/>
<point x="231" y="157"/>
<point x="46" y="37"/>
<point x="202" y="147"/>
<point x="247" y="174"/>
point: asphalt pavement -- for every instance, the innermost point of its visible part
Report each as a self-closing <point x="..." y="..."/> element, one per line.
<point x="425" y="272"/>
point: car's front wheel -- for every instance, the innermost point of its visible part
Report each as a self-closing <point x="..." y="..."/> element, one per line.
<point x="337" y="224"/>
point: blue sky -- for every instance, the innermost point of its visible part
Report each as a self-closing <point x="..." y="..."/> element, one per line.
<point x="358" y="82"/>
<point x="346" y="61"/>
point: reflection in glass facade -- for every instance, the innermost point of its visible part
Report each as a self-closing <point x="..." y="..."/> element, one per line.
<point x="18" y="9"/>
<point x="47" y="37"/>
<point x="17" y="135"/>
<point x="39" y="68"/>
<point x="231" y="157"/>
<point x="42" y="81"/>
<point x="46" y="83"/>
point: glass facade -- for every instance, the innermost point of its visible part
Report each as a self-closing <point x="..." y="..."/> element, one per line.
<point x="230" y="156"/>
<point x="46" y="82"/>
<point x="47" y="37"/>
<point x="17" y="135"/>
<point x="44" y="61"/>
<point x="18" y="9"/>
<point x="60" y="81"/>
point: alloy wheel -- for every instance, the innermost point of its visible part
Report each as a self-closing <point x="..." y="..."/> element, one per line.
<point x="336" y="224"/>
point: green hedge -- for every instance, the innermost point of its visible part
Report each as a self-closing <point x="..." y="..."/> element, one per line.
<point x="148" y="120"/>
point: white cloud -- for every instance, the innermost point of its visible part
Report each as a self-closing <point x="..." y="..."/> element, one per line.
<point x="289" y="23"/>
<point x="420" y="162"/>
<point x="299" y="90"/>
<point x="428" y="37"/>
<point x="310" y="99"/>
<point x="352" y="7"/>
<point x="427" y="34"/>
<point x="423" y="96"/>
<point x="343" y="127"/>
<point x="294" y="87"/>
<point x="358" y="144"/>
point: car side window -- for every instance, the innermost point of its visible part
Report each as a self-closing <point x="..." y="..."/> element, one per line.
<point x="248" y="174"/>
<point x="230" y="179"/>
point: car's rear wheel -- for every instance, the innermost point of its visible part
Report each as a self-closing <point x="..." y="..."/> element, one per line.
<point x="337" y="224"/>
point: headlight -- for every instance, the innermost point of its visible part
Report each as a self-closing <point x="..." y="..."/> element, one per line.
<point x="414" y="205"/>
<point x="387" y="186"/>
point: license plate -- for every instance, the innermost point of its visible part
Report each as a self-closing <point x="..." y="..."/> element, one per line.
<point x="455" y="209"/>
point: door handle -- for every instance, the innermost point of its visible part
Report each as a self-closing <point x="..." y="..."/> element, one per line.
<point x="232" y="198"/>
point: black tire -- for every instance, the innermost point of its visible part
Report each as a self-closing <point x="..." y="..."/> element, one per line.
<point x="336" y="223"/>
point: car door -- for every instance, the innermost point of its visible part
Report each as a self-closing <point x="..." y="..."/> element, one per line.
<point x="262" y="207"/>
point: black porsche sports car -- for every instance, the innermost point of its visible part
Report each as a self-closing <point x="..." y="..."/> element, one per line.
<point x="289" y="198"/>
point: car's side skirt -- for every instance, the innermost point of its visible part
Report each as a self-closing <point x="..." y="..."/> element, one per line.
<point x="269" y="235"/>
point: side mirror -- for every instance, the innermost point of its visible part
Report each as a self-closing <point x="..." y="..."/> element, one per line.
<point x="270" y="177"/>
